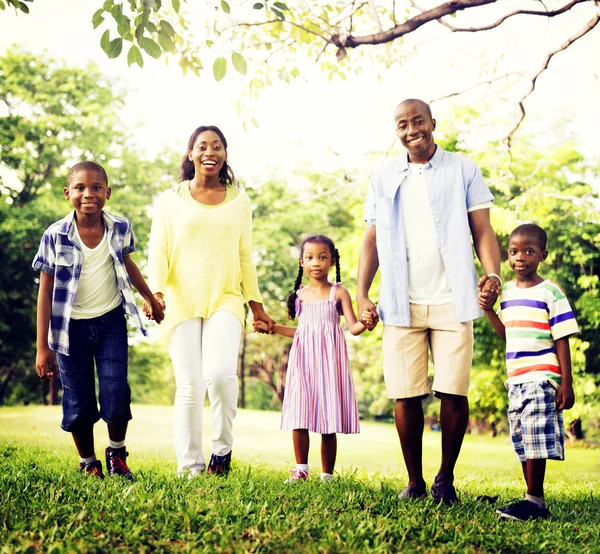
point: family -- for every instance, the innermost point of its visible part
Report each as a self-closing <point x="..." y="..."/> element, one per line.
<point x="424" y="213"/>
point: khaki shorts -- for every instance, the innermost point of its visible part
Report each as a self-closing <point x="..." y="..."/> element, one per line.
<point x="405" y="360"/>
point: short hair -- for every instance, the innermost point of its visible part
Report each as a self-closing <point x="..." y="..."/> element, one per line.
<point x="534" y="231"/>
<point x="86" y="166"/>
<point x="420" y="102"/>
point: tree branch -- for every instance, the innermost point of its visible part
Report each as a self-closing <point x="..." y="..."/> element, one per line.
<point x="472" y="87"/>
<point x="582" y="32"/>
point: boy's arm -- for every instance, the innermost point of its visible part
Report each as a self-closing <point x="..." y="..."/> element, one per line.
<point x="566" y="395"/>
<point x="45" y="363"/>
<point x="496" y="323"/>
<point x="156" y="305"/>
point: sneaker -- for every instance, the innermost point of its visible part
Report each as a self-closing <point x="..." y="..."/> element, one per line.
<point x="297" y="475"/>
<point x="115" y="462"/>
<point x="413" y="492"/>
<point x="522" y="511"/>
<point x="93" y="468"/>
<point x="443" y="493"/>
<point x="219" y="465"/>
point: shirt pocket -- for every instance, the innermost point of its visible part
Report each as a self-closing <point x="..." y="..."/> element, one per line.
<point x="64" y="266"/>
<point x="383" y="213"/>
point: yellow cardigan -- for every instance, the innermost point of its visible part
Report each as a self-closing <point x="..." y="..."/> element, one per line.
<point x="200" y="257"/>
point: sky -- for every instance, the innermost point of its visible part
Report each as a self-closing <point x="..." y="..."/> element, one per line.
<point x="326" y="125"/>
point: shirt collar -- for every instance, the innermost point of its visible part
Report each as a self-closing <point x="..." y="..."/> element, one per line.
<point x="435" y="160"/>
<point x="67" y="223"/>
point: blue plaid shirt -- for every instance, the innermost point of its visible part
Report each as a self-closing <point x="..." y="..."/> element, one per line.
<point x="61" y="257"/>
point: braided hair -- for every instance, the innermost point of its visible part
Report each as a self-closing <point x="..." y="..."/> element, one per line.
<point x="226" y="176"/>
<point x="313" y="239"/>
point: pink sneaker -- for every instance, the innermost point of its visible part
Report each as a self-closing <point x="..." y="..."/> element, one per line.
<point x="297" y="475"/>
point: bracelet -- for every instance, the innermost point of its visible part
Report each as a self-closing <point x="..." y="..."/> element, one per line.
<point x="495" y="275"/>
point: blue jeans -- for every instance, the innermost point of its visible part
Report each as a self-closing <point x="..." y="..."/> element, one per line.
<point x="102" y="340"/>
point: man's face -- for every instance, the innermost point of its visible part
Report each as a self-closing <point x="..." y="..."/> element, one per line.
<point x="415" y="127"/>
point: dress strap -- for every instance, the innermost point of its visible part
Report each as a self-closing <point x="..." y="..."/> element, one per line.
<point x="332" y="291"/>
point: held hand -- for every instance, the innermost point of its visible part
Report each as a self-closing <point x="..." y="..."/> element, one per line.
<point x="45" y="363"/>
<point x="260" y="315"/>
<point x="260" y="326"/>
<point x="486" y="300"/>
<point x="155" y="309"/>
<point x="566" y="397"/>
<point x="488" y="289"/>
<point x="366" y="306"/>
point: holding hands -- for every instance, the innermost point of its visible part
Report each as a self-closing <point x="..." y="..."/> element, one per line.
<point x="488" y="289"/>
<point x="368" y="313"/>
<point x="154" y="307"/>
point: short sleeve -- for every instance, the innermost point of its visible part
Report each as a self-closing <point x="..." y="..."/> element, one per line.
<point x="370" y="212"/>
<point x="477" y="190"/>
<point x="128" y="240"/>
<point x="45" y="258"/>
<point x="562" y="318"/>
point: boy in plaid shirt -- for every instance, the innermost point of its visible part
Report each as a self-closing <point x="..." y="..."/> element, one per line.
<point x="536" y="321"/>
<point x="85" y="292"/>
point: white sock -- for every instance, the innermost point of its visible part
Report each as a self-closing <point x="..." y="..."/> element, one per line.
<point x="89" y="460"/>
<point x="539" y="501"/>
<point x="303" y="467"/>
<point x="116" y="444"/>
<point x="326" y="476"/>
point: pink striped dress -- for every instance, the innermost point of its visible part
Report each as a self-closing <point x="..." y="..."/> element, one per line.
<point x="319" y="392"/>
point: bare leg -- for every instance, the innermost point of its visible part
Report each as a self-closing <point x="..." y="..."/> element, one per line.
<point x="328" y="452"/>
<point x="301" y="445"/>
<point x="409" y="424"/>
<point x="117" y="431"/>
<point x="84" y="441"/>
<point x="535" y="471"/>
<point x="454" y="418"/>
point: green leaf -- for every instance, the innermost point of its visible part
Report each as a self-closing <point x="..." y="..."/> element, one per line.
<point x="166" y="42"/>
<point x="209" y="43"/>
<point x="258" y="6"/>
<point x="139" y="32"/>
<point x="107" y="6"/>
<point x="239" y="63"/>
<point x="176" y="5"/>
<point x="255" y="123"/>
<point x="279" y="14"/>
<point x="225" y="6"/>
<point x="167" y="28"/>
<point x="281" y="6"/>
<point x="150" y="47"/>
<point x="105" y="40"/>
<point x="114" y="48"/>
<point x="23" y="7"/>
<point x="219" y="68"/>
<point x="135" y="56"/>
<point x="97" y="18"/>
<point x="125" y="26"/>
<point x="151" y="27"/>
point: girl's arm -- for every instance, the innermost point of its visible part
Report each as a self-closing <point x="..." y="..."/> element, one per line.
<point x="566" y="396"/>
<point x="45" y="363"/>
<point x="496" y="323"/>
<point x="285" y="330"/>
<point x="354" y="326"/>
<point x="155" y="306"/>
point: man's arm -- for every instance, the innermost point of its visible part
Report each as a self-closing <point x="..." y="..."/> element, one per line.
<point x="486" y="247"/>
<point x="368" y="264"/>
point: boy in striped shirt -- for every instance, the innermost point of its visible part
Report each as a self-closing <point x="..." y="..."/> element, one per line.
<point x="536" y="321"/>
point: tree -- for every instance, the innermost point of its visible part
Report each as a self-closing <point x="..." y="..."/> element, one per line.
<point x="337" y="35"/>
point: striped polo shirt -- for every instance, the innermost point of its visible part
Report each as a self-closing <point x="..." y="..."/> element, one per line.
<point x="534" y="318"/>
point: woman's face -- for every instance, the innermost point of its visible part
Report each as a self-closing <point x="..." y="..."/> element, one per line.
<point x="208" y="154"/>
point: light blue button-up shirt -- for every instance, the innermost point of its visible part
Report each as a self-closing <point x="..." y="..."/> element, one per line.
<point x="454" y="185"/>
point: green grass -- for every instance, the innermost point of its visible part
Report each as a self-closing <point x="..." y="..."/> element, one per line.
<point x="45" y="505"/>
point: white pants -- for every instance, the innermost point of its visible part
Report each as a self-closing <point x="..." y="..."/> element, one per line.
<point x="204" y="353"/>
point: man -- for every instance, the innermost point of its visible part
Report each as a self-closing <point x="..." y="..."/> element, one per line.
<point x="421" y="211"/>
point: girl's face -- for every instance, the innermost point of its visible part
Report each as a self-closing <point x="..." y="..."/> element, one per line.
<point x="208" y="154"/>
<point x="524" y="256"/>
<point x="316" y="260"/>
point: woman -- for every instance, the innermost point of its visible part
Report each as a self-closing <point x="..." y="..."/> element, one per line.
<point x="201" y="261"/>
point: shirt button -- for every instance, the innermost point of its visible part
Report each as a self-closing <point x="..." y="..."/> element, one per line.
<point x="437" y="219"/>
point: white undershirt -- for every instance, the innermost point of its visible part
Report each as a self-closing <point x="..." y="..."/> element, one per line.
<point x="427" y="279"/>
<point x="97" y="291"/>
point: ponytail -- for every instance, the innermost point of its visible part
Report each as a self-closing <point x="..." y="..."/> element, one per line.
<point x="338" y="273"/>
<point x="291" y="299"/>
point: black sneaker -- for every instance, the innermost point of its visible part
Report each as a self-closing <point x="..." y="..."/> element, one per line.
<point x="219" y="465"/>
<point x="93" y="468"/>
<point x="443" y="493"/>
<point x="413" y="492"/>
<point x="522" y="511"/>
<point x="115" y="462"/>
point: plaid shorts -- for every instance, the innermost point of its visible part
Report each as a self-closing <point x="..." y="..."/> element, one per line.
<point x="536" y="423"/>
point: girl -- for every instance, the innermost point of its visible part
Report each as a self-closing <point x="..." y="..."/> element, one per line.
<point x="200" y="261"/>
<point x="319" y="393"/>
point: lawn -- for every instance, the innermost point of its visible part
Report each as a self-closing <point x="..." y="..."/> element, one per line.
<point x="45" y="505"/>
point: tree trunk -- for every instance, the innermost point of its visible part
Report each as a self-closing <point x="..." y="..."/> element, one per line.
<point x="242" y="371"/>
<point x="54" y="388"/>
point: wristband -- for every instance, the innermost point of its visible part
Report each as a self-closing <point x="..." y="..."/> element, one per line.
<point x="495" y="275"/>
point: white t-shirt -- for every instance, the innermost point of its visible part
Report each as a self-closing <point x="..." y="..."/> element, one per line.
<point x="97" y="291"/>
<point x="427" y="278"/>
